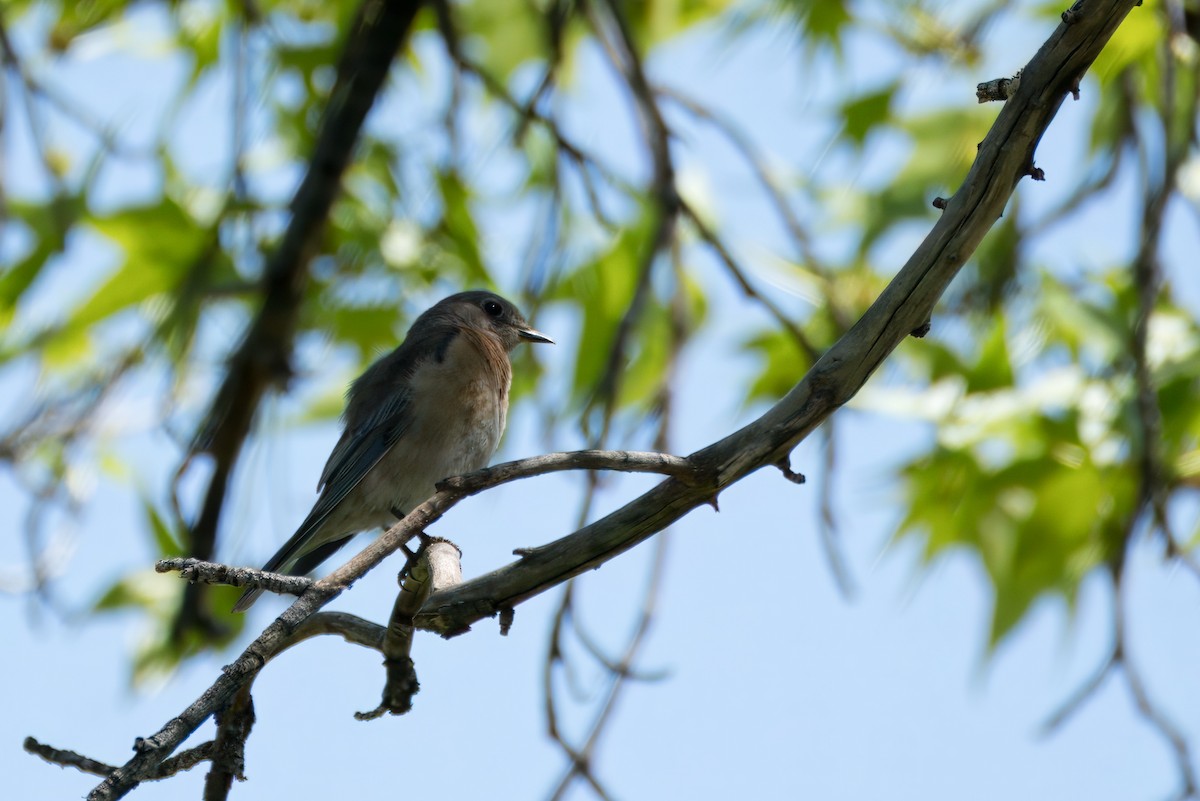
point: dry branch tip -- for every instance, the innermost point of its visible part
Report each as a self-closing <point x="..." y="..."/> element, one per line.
<point x="998" y="88"/>
<point x="785" y="467"/>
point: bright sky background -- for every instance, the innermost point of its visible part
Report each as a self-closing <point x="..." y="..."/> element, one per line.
<point x="776" y="688"/>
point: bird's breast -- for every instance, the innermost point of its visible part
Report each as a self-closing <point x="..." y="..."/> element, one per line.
<point x="462" y="404"/>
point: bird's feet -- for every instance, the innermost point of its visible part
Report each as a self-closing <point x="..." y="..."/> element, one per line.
<point x="411" y="556"/>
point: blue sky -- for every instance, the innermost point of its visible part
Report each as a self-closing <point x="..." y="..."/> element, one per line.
<point x="776" y="686"/>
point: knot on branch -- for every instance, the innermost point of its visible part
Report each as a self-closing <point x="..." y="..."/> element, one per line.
<point x="435" y="566"/>
<point x="785" y="467"/>
<point x="998" y="88"/>
<point x="1072" y="14"/>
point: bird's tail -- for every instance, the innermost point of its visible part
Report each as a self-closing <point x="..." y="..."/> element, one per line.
<point x="247" y="600"/>
<point x="293" y="560"/>
<point x="279" y="563"/>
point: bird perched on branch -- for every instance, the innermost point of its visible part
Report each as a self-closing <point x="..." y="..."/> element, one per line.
<point x="434" y="407"/>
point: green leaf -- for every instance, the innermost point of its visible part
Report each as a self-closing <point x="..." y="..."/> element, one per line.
<point x="656" y="21"/>
<point x="864" y="113"/>
<point x="782" y="360"/>
<point x="1020" y="487"/>
<point x="160" y="243"/>
<point x="46" y="225"/>
<point x="458" y="234"/>
<point x="604" y="288"/>
<point x="1083" y="318"/>
<point x="992" y="370"/>
<point x="166" y="542"/>
<point x="821" y="20"/>
<point x="156" y="597"/>
<point x="944" y="144"/>
<point x="370" y="329"/>
<point x="125" y="593"/>
<point x="510" y="33"/>
<point x="992" y="271"/>
<point x="79" y="17"/>
<point x="1136" y="40"/>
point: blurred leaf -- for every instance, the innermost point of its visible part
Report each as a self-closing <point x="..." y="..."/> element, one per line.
<point x="199" y="33"/>
<point x="46" y="226"/>
<point x="160" y="243"/>
<point x="80" y="16"/>
<point x="1111" y="126"/>
<point x="68" y="348"/>
<point x="993" y="370"/>
<point x="1135" y="41"/>
<point x="991" y="273"/>
<point x="865" y="113"/>
<point x="656" y="21"/>
<point x="459" y="236"/>
<point x="604" y="288"/>
<point x="1074" y="317"/>
<point x="156" y="597"/>
<point x="782" y="361"/>
<point x="372" y="330"/>
<point x="821" y="20"/>
<point x="1032" y="543"/>
<point x="129" y="592"/>
<point x="167" y="543"/>
<point x="510" y="33"/>
<point x="944" y="144"/>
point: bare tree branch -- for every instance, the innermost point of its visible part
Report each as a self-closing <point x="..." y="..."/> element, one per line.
<point x="177" y="764"/>
<point x="229" y="746"/>
<point x="197" y="570"/>
<point x="1003" y="159"/>
<point x="70" y="759"/>
<point x="621" y="461"/>
<point x="436" y="565"/>
<point x="621" y="672"/>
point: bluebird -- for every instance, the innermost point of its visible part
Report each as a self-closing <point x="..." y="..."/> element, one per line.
<point x="432" y="408"/>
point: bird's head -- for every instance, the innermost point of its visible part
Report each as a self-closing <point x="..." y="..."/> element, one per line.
<point x="489" y="313"/>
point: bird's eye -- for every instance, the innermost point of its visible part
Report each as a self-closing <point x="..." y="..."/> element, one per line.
<point x="492" y="307"/>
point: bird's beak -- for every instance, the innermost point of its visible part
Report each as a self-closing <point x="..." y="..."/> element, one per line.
<point x="534" y="336"/>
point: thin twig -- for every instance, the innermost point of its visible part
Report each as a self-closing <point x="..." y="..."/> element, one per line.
<point x="717" y="245"/>
<point x="621" y="461"/>
<point x="1145" y="705"/>
<point x="185" y="760"/>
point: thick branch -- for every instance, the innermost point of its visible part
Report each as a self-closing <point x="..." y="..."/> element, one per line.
<point x="437" y="565"/>
<point x="1004" y="158"/>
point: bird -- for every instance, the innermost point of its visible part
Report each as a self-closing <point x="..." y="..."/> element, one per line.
<point x="432" y="408"/>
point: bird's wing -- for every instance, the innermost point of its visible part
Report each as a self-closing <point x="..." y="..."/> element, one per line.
<point x="378" y="413"/>
<point x="359" y="450"/>
<point x="373" y="427"/>
<point x="356" y="453"/>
